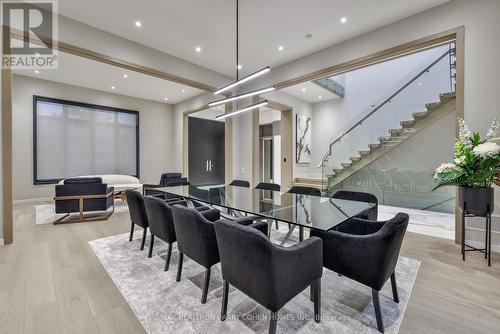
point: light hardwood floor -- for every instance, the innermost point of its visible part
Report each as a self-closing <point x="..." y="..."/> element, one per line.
<point x="51" y="282"/>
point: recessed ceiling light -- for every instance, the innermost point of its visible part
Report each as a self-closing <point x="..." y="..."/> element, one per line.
<point x="198" y="49"/>
<point x="303" y="89"/>
<point x="166" y="99"/>
<point x="37" y="71"/>
<point x="280" y="48"/>
<point x="343" y="20"/>
<point x="138" y="24"/>
<point x="113" y="87"/>
<point x="320" y="97"/>
<point x="183" y="90"/>
<point x="239" y="67"/>
<point x="420" y="84"/>
<point x="125" y="76"/>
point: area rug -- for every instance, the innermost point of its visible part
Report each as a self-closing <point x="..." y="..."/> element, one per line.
<point x="162" y="305"/>
<point x="46" y="214"/>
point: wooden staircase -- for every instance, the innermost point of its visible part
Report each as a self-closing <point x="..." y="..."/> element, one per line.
<point x="408" y="129"/>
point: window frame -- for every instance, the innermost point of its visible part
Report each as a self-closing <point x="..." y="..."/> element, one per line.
<point x="38" y="98"/>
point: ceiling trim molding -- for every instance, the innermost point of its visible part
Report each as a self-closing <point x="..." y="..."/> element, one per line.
<point x="100" y="57"/>
<point x="377" y="57"/>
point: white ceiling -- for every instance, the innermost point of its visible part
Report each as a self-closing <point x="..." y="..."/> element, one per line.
<point x="310" y="92"/>
<point x="78" y="71"/>
<point x="177" y="27"/>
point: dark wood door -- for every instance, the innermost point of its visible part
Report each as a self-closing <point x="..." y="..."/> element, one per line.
<point x="206" y="151"/>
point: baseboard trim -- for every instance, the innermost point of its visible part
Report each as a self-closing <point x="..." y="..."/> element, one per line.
<point x="33" y="200"/>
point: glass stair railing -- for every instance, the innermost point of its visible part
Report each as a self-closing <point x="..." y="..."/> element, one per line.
<point x="391" y="122"/>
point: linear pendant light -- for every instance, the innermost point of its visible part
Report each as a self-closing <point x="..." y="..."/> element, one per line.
<point x="243" y="80"/>
<point x="250" y="107"/>
<point x="241" y="96"/>
<point x="240" y="81"/>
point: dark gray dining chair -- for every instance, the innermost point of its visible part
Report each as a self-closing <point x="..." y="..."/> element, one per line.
<point x="161" y="223"/>
<point x="240" y="183"/>
<point x="372" y="213"/>
<point x="269" y="274"/>
<point x="301" y="190"/>
<point x="137" y="212"/>
<point x="367" y="252"/>
<point x="268" y="186"/>
<point x="196" y="239"/>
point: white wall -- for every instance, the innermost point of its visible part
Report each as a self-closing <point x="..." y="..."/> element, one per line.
<point x="156" y="131"/>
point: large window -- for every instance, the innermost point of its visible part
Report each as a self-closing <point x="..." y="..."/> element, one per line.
<point x="72" y="139"/>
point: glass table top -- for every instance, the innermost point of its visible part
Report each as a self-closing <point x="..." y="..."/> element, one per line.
<point x="321" y="213"/>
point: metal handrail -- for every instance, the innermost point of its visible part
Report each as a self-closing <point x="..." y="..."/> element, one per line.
<point x="329" y="152"/>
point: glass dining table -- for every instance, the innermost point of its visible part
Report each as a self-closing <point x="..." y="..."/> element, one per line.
<point x="302" y="211"/>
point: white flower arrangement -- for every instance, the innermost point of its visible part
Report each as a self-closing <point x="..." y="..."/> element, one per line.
<point x="477" y="161"/>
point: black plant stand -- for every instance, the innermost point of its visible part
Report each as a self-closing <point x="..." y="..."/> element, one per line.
<point x="487" y="242"/>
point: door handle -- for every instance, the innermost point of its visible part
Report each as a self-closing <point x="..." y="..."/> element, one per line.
<point x="206" y="166"/>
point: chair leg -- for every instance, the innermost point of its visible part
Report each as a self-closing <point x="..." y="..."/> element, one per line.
<point x="206" y="285"/>
<point x="179" y="267"/>
<point x="311" y="292"/>
<point x="144" y="232"/>
<point x="169" y="255"/>
<point x="225" y="295"/>
<point x="151" y="243"/>
<point x="131" y="231"/>
<point x="378" y="312"/>
<point x="277" y="227"/>
<point x="273" y="323"/>
<point x="394" y="287"/>
<point x="317" y="300"/>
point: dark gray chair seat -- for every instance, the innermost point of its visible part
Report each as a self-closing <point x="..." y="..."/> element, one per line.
<point x="367" y="252"/>
<point x="269" y="274"/>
